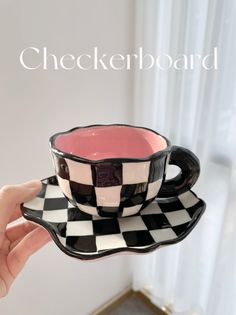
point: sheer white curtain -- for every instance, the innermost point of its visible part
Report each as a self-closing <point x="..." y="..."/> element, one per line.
<point x="196" y="109"/>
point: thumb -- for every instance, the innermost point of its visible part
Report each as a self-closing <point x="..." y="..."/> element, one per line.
<point x="28" y="190"/>
<point x="13" y="195"/>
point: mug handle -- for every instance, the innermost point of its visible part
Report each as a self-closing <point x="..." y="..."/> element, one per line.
<point x="190" y="168"/>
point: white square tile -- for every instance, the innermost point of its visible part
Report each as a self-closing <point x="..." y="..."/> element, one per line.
<point x="80" y="172"/>
<point x="163" y="235"/>
<point x="35" y="204"/>
<point x="131" y="224"/>
<point x="108" y="196"/>
<point x="152" y="208"/>
<point x="153" y="189"/>
<point x="88" y="209"/>
<point x="64" y="187"/>
<point x="56" y="191"/>
<point x="57" y="216"/>
<point x="178" y="217"/>
<point x="134" y="173"/>
<point x="131" y="210"/>
<point x="188" y="199"/>
<point x="78" y="228"/>
<point x="110" y="241"/>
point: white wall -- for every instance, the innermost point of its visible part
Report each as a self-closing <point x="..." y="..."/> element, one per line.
<point x="36" y="104"/>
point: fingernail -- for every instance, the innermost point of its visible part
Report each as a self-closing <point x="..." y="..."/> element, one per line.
<point x="3" y="288"/>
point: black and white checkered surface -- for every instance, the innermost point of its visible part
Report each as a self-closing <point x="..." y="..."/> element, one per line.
<point x="164" y="221"/>
<point x="110" y="188"/>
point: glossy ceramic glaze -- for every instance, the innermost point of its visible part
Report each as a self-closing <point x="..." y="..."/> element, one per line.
<point x="117" y="170"/>
<point x="106" y="142"/>
<point x="165" y="221"/>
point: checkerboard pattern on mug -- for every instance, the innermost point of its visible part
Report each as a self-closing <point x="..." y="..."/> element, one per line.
<point x="105" y="187"/>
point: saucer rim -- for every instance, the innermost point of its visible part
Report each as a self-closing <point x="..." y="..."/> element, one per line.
<point x="108" y="252"/>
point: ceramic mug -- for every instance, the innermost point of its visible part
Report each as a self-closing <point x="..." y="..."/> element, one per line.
<point x="117" y="170"/>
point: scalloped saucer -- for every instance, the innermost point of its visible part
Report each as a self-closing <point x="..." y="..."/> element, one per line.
<point x="165" y="221"/>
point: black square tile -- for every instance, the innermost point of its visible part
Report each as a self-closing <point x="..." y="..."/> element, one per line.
<point x="84" y="194"/>
<point x="167" y="206"/>
<point x="107" y="174"/>
<point x="133" y="194"/>
<point x="86" y="243"/>
<point x="194" y="210"/>
<point x="42" y="192"/>
<point x="59" y="228"/>
<point x="106" y="226"/>
<point x="52" y="181"/>
<point x="155" y="221"/>
<point x="110" y="211"/>
<point x="55" y="203"/>
<point x="61" y="167"/>
<point x="74" y="214"/>
<point x="181" y="229"/>
<point x="157" y="168"/>
<point x="138" y="238"/>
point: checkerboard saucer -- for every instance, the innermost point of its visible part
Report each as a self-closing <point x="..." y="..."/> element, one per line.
<point x="165" y="221"/>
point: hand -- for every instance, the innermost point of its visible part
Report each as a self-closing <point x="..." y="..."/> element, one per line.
<point x="21" y="240"/>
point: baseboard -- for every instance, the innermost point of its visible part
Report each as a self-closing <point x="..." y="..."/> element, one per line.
<point x="114" y="302"/>
<point x="146" y="294"/>
<point x="158" y="311"/>
<point x="121" y="297"/>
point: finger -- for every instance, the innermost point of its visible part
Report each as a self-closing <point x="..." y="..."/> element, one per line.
<point x="26" y="247"/>
<point x="15" y="215"/>
<point x="19" y="230"/>
<point x="11" y="197"/>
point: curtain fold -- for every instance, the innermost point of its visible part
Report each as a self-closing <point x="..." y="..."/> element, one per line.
<point x="196" y="109"/>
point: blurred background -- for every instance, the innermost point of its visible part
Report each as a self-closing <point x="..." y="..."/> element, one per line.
<point x="194" y="108"/>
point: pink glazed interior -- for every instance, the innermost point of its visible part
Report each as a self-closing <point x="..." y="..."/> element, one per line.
<point x="101" y="142"/>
